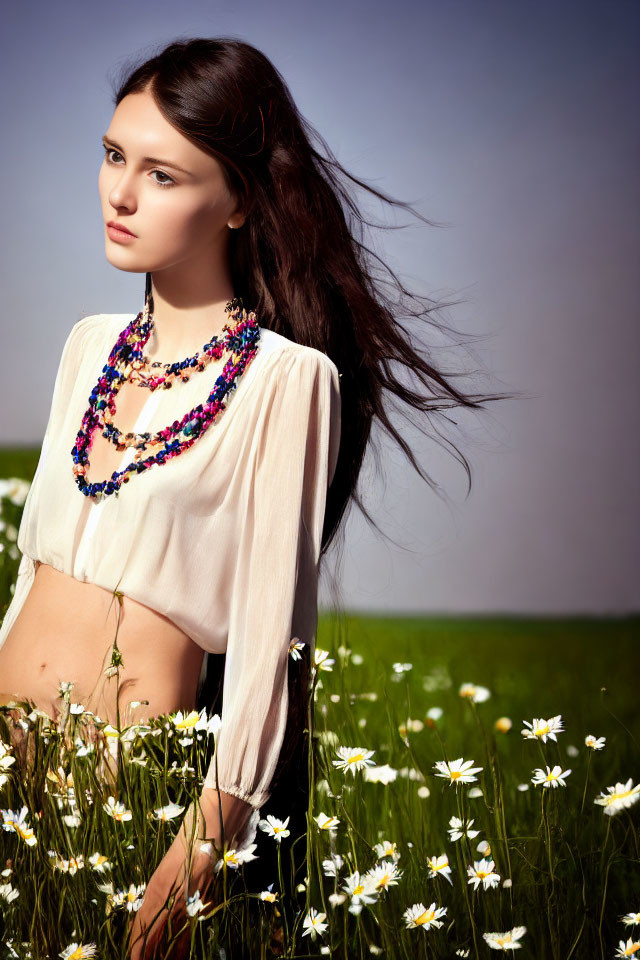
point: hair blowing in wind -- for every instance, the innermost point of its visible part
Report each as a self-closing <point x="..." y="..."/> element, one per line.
<point x="300" y="260"/>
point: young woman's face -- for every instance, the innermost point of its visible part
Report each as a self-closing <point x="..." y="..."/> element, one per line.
<point x="176" y="215"/>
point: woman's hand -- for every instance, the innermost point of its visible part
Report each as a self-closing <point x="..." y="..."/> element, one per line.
<point x="166" y="894"/>
<point x="165" y="899"/>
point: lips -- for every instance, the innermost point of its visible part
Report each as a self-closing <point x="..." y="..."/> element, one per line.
<point x="121" y="227"/>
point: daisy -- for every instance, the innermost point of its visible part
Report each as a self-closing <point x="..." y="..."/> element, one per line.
<point x="387" y="849"/>
<point x="195" y="904"/>
<point x="116" y="809"/>
<point x="8" y="893"/>
<point x="18" y="823"/>
<point x="483" y="872"/>
<point x="401" y="667"/>
<point x="313" y="923"/>
<point x="382" y="774"/>
<point x="353" y="758"/>
<point x="131" y="898"/>
<point x="275" y="828"/>
<point x="234" y="857"/>
<point x="540" y="729"/>
<point x="5" y="758"/>
<point x="269" y="894"/>
<point x="505" y="941"/>
<point x="327" y="823"/>
<point x="551" y="778"/>
<point x="295" y="647"/>
<point x="629" y="919"/>
<point x="420" y="916"/>
<point x="99" y="862"/>
<point x="322" y="660"/>
<point x="361" y="889"/>
<point x="168" y="812"/>
<point x="440" y="865"/>
<point x="190" y="721"/>
<point x="473" y="692"/>
<point x="618" y="797"/>
<point x="78" y="951"/>
<point x="384" y="875"/>
<point x="456" y="771"/>
<point x="461" y="828"/>
<point x="596" y="743"/>
<point x="628" y="949"/>
<point x="332" y="865"/>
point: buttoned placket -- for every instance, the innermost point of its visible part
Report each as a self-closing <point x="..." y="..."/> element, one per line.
<point x="82" y="554"/>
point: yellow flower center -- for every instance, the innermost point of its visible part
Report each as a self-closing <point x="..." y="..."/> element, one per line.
<point x="356" y="757"/>
<point x="425" y="917"/>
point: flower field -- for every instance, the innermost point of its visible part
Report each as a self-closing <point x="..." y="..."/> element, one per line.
<point x="474" y="789"/>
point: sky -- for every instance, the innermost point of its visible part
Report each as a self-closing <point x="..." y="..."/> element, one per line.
<point x="512" y="125"/>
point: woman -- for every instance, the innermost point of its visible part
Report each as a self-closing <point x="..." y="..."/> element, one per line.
<point x="212" y="531"/>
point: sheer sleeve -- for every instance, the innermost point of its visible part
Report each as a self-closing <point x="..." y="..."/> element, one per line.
<point x="276" y="568"/>
<point x="66" y="374"/>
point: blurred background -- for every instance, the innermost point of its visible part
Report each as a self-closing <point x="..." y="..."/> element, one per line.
<point x="514" y="126"/>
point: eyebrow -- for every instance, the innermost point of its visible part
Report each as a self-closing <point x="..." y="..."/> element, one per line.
<point x="165" y="163"/>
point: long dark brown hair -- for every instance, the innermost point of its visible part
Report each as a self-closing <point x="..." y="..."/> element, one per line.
<point x="300" y="260"/>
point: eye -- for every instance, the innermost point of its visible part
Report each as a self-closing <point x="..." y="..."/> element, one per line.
<point x="169" y="182"/>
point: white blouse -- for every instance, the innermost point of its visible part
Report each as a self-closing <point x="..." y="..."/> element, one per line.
<point x="224" y="539"/>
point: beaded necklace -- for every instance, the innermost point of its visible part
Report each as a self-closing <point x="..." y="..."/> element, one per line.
<point x="126" y="361"/>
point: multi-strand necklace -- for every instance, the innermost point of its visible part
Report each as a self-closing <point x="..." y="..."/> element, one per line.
<point x="127" y="362"/>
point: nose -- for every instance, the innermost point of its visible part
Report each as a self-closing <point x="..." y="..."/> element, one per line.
<point x="122" y="191"/>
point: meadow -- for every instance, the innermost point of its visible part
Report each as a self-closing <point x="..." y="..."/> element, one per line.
<point x="474" y="789"/>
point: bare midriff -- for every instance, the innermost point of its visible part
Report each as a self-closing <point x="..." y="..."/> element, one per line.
<point x="65" y="631"/>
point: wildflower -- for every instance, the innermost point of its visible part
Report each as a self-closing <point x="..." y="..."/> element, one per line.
<point x="18" y="823"/>
<point x="190" y="721"/>
<point x="540" y="729"/>
<point x="322" y="660"/>
<point x="402" y="667"/>
<point x="503" y="724"/>
<point x="234" y="857"/>
<point x="483" y="872"/>
<point x="505" y="941"/>
<point x="434" y="713"/>
<point x="551" y="778"/>
<point x="353" y="758"/>
<point x="295" y="647"/>
<point x="628" y="949"/>
<point x="381" y="774"/>
<point x="326" y="823"/>
<point x="76" y="708"/>
<point x="461" y="828"/>
<point x="275" y="828"/>
<point x="361" y="889"/>
<point x="78" y="951"/>
<point x="473" y="692"/>
<point x="8" y="893"/>
<point x="420" y="916"/>
<point x="116" y="809"/>
<point x="411" y="726"/>
<point x="383" y="875"/>
<point x="131" y="898"/>
<point x="5" y="756"/>
<point x="619" y="797"/>
<point x="595" y="743"/>
<point x="337" y="899"/>
<point x="195" y="904"/>
<point x="387" y="849"/>
<point x="168" y="812"/>
<point x="99" y="862"/>
<point x="331" y="866"/>
<point x="629" y="919"/>
<point x="269" y="894"/>
<point x="457" y="771"/>
<point x="313" y="923"/>
<point x="484" y="847"/>
<point x="440" y="865"/>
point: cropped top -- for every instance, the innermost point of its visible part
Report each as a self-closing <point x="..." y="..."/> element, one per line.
<point x="224" y="539"/>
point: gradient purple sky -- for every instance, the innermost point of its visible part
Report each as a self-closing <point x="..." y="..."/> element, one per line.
<point x="513" y="123"/>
